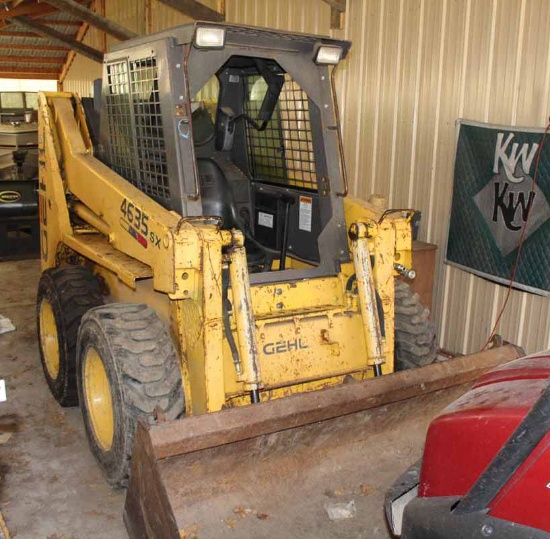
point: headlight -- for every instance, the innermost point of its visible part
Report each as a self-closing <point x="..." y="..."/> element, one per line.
<point x="210" y="37"/>
<point x="328" y="55"/>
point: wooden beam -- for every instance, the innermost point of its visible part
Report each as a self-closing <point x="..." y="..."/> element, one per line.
<point x="26" y="47"/>
<point x="40" y="11"/>
<point x="95" y="19"/>
<point x="58" y="37"/>
<point x="15" y="3"/>
<point x="33" y="10"/>
<point x="12" y="33"/>
<point x="337" y="10"/>
<point x="338" y="5"/>
<point x="30" y="70"/>
<point x="27" y="75"/>
<point x="195" y="10"/>
<point x="14" y="58"/>
<point x="76" y="24"/>
<point x="336" y="19"/>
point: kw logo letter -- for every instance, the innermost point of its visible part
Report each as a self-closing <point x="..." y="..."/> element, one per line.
<point x="510" y="207"/>
<point x="510" y="160"/>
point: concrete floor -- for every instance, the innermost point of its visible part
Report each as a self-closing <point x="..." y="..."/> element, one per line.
<point x="51" y="487"/>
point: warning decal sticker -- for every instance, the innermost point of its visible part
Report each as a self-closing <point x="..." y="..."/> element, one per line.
<point x="265" y="219"/>
<point x="306" y="205"/>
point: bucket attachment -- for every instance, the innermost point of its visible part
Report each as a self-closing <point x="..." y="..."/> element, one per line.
<point x="193" y="473"/>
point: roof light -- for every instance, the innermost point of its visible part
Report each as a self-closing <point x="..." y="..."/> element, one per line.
<point x="210" y="37"/>
<point x="328" y="55"/>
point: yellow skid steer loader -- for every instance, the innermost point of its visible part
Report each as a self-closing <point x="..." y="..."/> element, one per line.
<point x="207" y="282"/>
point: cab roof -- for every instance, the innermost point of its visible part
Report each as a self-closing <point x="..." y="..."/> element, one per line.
<point x="238" y="35"/>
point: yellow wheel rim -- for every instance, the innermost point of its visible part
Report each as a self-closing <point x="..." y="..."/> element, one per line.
<point x="48" y="338"/>
<point x="99" y="402"/>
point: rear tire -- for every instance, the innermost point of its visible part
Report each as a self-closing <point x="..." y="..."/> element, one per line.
<point x="64" y="296"/>
<point x="127" y="370"/>
<point x="415" y="338"/>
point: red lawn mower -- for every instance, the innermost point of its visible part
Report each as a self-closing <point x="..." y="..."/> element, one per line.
<point x="485" y="472"/>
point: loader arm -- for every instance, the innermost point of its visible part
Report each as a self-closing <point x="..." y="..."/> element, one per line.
<point x="128" y="220"/>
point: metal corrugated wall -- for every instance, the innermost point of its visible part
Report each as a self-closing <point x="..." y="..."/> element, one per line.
<point x="84" y="71"/>
<point x="415" y="67"/>
<point x="161" y="16"/>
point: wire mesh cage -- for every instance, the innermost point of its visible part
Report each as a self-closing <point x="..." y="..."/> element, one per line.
<point x="136" y="145"/>
<point x="283" y="152"/>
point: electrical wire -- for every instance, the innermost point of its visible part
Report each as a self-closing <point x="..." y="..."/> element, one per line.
<point x="521" y="240"/>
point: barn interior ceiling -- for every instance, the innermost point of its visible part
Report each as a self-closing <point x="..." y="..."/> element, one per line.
<point x="39" y="38"/>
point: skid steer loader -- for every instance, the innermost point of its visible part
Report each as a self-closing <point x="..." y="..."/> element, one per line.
<point x="207" y="282"/>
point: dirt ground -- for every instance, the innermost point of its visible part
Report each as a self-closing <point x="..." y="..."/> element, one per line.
<point x="51" y="487"/>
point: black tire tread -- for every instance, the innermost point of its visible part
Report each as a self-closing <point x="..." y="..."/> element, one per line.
<point x="415" y="335"/>
<point x="147" y="368"/>
<point x="72" y="291"/>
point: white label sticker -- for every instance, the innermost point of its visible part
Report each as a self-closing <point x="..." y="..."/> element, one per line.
<point x="3" y="397"/>
<point x="265" y="219"/>
<point x="306" y="204"/>
<point x="233" y="78"/>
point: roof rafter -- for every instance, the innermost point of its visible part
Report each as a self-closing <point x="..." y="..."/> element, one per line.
<point x="95" y="19"/>
<point x="58" y="37"/>
<point x="27" y="47"/>
<point x="29" y="70"/>
<point x="31" y="59"/>
<point x="50" y="75"/>
<point x="33" y="10"/>
<point x="40" y="10"/>
<point x="60" y="23"/>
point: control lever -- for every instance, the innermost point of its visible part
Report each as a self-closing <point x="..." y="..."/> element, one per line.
<point x="287" y="200"/>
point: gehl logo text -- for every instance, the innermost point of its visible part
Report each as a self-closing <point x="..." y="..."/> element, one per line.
<point x="505" y="202"/>
<point x="280" y="347"/>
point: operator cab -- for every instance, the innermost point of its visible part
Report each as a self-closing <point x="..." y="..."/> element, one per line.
<point x="255" y="158"/>
<point x="256" y="137"/>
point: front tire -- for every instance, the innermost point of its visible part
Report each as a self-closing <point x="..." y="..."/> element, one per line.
<point x="65" y="294"/>
<point x="127" y="370"/>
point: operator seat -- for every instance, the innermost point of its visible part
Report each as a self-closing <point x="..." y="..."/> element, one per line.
<point x="216" y="194"/>
<point x="218" y="200"/>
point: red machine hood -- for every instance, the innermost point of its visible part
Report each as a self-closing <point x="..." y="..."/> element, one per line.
<point x="467" y="435"/>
